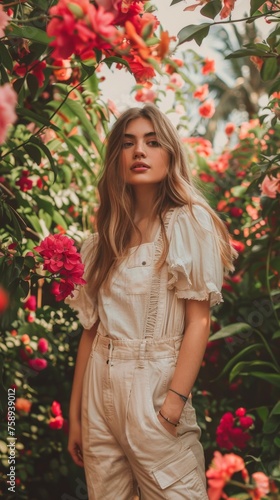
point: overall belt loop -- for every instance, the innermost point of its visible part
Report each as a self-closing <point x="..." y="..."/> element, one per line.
<point x="142" y="350"/>
<point x="110" y="352"/>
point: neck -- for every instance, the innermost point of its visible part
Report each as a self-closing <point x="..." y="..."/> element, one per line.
<point x="144" y="196"/>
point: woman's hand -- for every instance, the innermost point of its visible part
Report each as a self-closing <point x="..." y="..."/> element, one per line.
<point x="169" y="427"/>
<point x="75" y="443"/>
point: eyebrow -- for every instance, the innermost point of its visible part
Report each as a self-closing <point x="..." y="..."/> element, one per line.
<point x="131" y="136"/>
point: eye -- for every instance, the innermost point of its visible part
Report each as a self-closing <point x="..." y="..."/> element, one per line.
<point x="127" y="144"/>
<point x="154" y="144"/>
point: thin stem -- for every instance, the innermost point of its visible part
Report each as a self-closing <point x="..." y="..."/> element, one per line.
<point x="11" y="4"/>
<point x="22" y="21"/>
<point x="267" y="279"/>
<point x="246" y="19"/>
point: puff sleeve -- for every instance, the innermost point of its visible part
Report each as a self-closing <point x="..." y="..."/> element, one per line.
<point x="194" y="262"/>
<point x="81" y="300"/>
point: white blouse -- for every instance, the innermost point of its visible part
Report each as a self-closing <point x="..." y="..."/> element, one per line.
<point x="193" y="270"/>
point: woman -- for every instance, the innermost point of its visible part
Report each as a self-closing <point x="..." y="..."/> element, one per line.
<point x="152" y="274"/>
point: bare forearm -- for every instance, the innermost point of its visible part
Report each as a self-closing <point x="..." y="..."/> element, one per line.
<point x="81" y="363"/>
<point x="189" y="362"/>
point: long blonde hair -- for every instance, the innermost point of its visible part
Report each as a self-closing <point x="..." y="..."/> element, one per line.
<point x="115" y="224"/>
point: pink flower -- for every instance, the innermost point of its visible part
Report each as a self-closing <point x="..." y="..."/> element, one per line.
<point x="220" y="471"/>
<point x="201" y="92"/>
<point x="240" y="412"/>
<point x="246" y="422"/>
<point x="56" y="423"/>
<point x="271" y="186"/>
<point x="176" y="81"/>
<point x="208" y="66"/>
<point x="207" y="109"/>
<point x="145" y="95"/>
<point x="38" y="364"/>
<point x="31" y="303"/>
<point x="262" y="485"/>
<point x="56" y="409"/>
<point x="4" y="19"/>
<point x="43" y="345"/>
<point x="8" y="101"/>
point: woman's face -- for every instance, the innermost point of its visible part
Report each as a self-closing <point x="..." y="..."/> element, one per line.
<point x="143" y="159"/>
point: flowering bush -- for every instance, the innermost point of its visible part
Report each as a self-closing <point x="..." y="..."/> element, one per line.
<point x="62" y="259"/>
<point x="52" y="125"/>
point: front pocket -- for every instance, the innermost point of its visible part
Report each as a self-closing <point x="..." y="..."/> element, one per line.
<point x="179" y="475"/>
<point x="138" y="271"/>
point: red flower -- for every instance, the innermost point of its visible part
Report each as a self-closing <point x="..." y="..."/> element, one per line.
<point x="238" y="245"/>
<point x="56" y="423"/>
<point x="36" y="69"/>
<point x="229" y="128"/>
<point x="207" y="109"/>
<point x="236" y="212"/>
<point x="142" y="71"/>
<point x="208" y="66"/>
<point x="43" y="345"/>
<point x="4" y="300"/>
<point x="231" y="430"/>
<point x="31" y="303"/>
<point x="38" y="364"/>
<point x="77" y="27"/>
<point x="240" y="412"/>
<point x="24" y="183"/>
<point x="246" y="422"/>
<point x="56" y="409"/>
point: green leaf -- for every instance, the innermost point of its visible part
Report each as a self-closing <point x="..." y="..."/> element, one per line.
<point x="276" y="335"/>
<point x="263" y="412"/>
<point x="34" y="153"/>
<point x="255" y="5"/>
<point x="118" y="60"/>
<point x="271" y="378"/>
<point x="75" y="152"/>
<point x="229" y="330"/>
<point x="30" y="33"/>
<point x="248" y="367"/>
<point x="88" y="69"/>
<point x="276" y="409"/>
<point x="211" y="9"/>
<point x="79" y="111"/>
<point x="32" y="83"/>
<point x="46" y="151"/>
<point x="276" y="441"/>
<point x="58" y="219"/>
<point x="5" y="57"/>
<point x="239" y="356"/>
<point x="192" y="31"/>
<point x="270" y="69"/>
<point x="271" y="425"/>
<point x="42" y="119"/>
<point x="176" y="1"/>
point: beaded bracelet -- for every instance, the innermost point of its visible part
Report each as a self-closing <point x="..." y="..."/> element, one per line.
<point x="184" y="398"/>
<point x="169" y="421"/>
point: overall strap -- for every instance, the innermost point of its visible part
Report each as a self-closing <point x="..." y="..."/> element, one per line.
<point x="153" y="298"/>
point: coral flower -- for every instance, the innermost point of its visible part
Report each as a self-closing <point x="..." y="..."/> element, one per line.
<point x="208" y="66"/>
<point x="270" y="186"/>
<point x="23" y="404"/>
<point x="227" y="8"/>
<point x="145" y="95"/>
<point x="229" y="128"/>
<point x="220" y="472"/>
<point x="63" y="70"/>
<point x="207" y="109"/>
<point x="201" y="92"/>
<point x="262" y="485"/>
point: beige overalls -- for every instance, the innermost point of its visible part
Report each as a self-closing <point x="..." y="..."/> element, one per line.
<point x="132" y="363"/>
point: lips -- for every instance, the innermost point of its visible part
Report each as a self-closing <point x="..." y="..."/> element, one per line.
<point x="139" y="166"/>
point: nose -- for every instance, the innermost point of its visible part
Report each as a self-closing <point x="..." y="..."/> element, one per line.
<point x="139" y="151"/>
